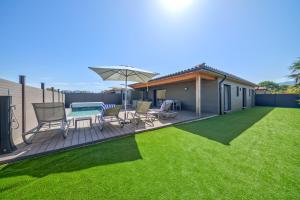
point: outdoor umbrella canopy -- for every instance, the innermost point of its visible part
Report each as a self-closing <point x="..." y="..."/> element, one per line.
<point x="124" y="73"/>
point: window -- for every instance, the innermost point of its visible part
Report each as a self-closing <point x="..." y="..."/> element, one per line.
<point x="161" y="94"/>
<point x="237" y="91"/>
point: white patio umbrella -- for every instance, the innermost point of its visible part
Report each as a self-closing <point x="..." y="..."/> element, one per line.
<point x="124" y="73"/>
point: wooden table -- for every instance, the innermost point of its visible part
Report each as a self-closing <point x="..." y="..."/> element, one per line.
<point x="82" y="119"/>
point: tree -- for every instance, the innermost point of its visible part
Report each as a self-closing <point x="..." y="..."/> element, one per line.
<point x="293" y="90"/>
<point x="283" y="88"/>
<point x="295" y="72"/>
<point x="270" y="85"/>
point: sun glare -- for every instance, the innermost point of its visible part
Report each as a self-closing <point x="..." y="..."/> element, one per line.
<point x="176" y="5"/>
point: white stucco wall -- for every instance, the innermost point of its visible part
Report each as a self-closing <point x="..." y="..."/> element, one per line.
<point x="237" y="101"/>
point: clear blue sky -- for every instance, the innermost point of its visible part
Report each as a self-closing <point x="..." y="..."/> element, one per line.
<point x="54" y="41"/>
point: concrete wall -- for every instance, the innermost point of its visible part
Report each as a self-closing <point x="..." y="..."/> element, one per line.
<point x="209" y="96"/>
<point x="32" y="95"/>
<point x="63" y="98"/>
<point x="92" y="97"/>
<point x="48" y="96"/>
<point x="237" y="101"/>
<point x="56" y="96"/>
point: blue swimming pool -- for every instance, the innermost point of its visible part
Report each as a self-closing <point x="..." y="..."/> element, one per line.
<point x="85" y="111"/>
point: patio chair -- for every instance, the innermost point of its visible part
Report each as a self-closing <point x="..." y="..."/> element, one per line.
<point x="177" y="105"/>
<point x="142" y="113"/>
<point x="110" y="115"/>
<point x="165" y="110"/>
<point x="48" y="114"/>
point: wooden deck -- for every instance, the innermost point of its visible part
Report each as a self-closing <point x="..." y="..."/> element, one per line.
<point x="53" y="140"/>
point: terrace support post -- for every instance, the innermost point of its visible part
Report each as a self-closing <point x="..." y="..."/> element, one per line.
<point x="52" y="89"/>
<point x="43" y="90"/>
<point x="198" y="95"/>
<point x="58" y="95"/>
<point x="22" y="81"/>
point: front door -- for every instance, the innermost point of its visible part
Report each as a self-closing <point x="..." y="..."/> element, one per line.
<point x="244" y="97"/>
<point x="227" y="98"/>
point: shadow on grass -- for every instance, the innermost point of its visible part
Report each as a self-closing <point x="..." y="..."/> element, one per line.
<point x="111" y="152"/>
<point x="226" y="128"/>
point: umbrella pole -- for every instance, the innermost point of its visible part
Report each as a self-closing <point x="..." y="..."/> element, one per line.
<point x="125" y="102"/>
<point x="125" y="115"/>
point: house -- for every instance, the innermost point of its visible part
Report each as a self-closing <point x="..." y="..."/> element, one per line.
<point x="202" y="89"/>
<point x="262" y="90"/>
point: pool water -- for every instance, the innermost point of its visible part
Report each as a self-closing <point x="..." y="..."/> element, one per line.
<point x="84" y="112"/>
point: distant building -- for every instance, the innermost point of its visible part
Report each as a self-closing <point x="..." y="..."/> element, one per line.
<point x="121" y="90"/>
<point x="262" y="90"/>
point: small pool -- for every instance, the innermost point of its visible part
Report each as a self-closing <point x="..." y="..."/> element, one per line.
<point x="85" y="111"/>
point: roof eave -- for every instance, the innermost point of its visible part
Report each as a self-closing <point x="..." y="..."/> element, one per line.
<point x="202" y="68"/>
<point x="229" y="77"/>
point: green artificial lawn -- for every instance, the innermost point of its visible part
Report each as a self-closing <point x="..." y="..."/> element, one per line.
<point x="251" y="154"/>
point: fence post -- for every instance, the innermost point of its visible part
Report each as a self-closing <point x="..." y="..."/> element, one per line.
<point x="22" y="81"/>
<point x="43" y="90"/>
<point x="52" y="89"/>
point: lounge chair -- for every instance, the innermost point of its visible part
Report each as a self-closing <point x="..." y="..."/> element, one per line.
<point x="177" y="105"/>
<point x="165" y="111"/>
<point x="142" y="113"/>
<point x="48" y="114"/>
<point x="110" y="115"/>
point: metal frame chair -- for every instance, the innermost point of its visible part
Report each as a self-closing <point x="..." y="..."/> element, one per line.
<point x="142" y="112"/>
<point x="48" y="114"/>
<point x="165" y="111"/>
<point x="110" y="115"/>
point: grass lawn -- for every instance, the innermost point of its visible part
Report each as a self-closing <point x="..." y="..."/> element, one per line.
<point x="251" y="154"/>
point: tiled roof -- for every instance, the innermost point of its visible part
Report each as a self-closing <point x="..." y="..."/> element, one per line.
<point x="204" y="67"/>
